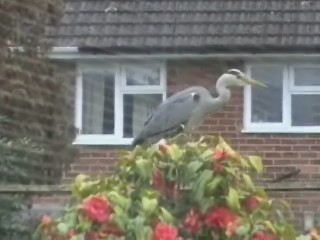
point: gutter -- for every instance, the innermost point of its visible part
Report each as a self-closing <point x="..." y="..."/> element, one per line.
<point x="73" y="53"/>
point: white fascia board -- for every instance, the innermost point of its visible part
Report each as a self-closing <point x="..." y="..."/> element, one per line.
<point x="71" y="53"/>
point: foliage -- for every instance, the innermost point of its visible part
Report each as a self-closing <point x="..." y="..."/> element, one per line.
<point x="35" y="92"/>
<point x="35" y="98"/>
<point x="185" y="189"/>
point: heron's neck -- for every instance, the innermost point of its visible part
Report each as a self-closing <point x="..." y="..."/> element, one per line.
<point x="223" y="93"/>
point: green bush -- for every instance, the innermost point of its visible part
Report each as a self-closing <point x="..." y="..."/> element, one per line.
<point x="183" y="190"/>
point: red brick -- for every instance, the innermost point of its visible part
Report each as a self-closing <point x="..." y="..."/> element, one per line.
<point x="308" y="154"/>
<point x="272" y="155"/>
<point x="290" y="154"/>
<point x="282" y="148"/>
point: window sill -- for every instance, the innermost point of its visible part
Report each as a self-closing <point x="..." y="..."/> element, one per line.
<point x="292" y="130"/>
<point x="100" y="140"/>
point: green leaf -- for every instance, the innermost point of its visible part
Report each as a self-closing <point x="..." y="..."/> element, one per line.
<point x="288" y="233"/>
<point x="233" y="199"/>
<point x="78" y="237"/>
<point x="147" y="233"/>
<point x="119" y="220"/>
<point x="199" y="187"/>
<point x="248" y="181"/>
<point x="230" y="170"/>
<point x="144" y="168"/>
<point x="269" y="225"/>
<point x="212" y="185"/>
<point x="207" y="155"/>
<point x="166" y="216"/>
<point x="206" y="204"/>
<point x="194" y="166"/>
<point x="149" y="205"/>
<point x="256" y="163"/>
<point x="63" y="228"/>
<point x="137" y="225"/>
<point x="243" y="230"/>
<point x="119" y="200"/>
<point x="175" y="152"/>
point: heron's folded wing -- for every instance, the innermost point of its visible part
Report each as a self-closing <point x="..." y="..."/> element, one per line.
<point x="169" y="116"/>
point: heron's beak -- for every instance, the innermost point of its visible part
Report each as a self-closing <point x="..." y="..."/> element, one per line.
<point x="250" y="81"/>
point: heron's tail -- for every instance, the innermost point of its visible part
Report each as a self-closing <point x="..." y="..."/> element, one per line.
<point x="137" y="141"/>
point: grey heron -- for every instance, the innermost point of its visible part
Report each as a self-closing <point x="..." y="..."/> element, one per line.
<point x="185" y="110"/>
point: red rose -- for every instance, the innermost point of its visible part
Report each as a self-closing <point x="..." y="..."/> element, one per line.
<point x="97" y="208"/>
<point x="193" y="222"/>
<point x="111" y="229"/>
<point x="251" y="203"/>
<point x="221" y="217"/>
<point x="219" y="154"/>
<point x="165" y="187"/>
<point x="165" y="232"/>
<point x="262" y="236"/>
<point x="46" y="221"/>
<point x="71" y="232"/>
<point x="92" y="236"/>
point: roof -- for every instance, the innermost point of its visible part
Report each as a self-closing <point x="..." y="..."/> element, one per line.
<point x="189" y="25"/>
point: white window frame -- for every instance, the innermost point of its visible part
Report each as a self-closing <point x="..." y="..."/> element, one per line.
<point x="120" y="89"/>
<point x="288" y="90"/>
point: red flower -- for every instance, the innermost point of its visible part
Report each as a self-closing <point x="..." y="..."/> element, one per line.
<point x="111" y="229"/>
<point x="221" y="217"/>
<point x="219" y="154"/>
<point x="97" y="208"/>
<point x="251" y="203"/>
<point x="71" y="232"/>
<point x="92" y="236"/>
<point x="262" y="236"/>
<point x="46" y="221"/>
<point x="193" y="222"/>
<point x="163" y="148"/>
<point x="165" y="187"/>
<point x="165" y="232"/>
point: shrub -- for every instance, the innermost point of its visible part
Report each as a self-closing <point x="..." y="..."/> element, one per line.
<point x="183" y="190"/>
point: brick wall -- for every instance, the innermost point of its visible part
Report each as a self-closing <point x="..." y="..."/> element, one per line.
<point x="281" y="152"/>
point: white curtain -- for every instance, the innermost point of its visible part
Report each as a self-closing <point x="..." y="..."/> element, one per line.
<point x="143" y="106"/>
<point x="93" y="100"/>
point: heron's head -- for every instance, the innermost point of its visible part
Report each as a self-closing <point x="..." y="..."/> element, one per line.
<point x="235" y="77"/>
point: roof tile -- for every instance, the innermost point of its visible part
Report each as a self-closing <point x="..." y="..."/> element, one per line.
<point x="188" y="24"/>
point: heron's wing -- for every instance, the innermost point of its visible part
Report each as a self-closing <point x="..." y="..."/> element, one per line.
<point x="169" y="115"/>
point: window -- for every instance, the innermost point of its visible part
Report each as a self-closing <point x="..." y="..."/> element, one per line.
<point x="114" y="100"/>
<point x="291" y="103"/>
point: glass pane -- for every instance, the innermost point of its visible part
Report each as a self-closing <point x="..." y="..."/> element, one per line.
<point x="305" y="110"/>
<point x="142" y="76"/>
<point x="266" y="103"/>
<point x="98" y="103"/>
<point x="137" y="108"/>
<point x="306" y="76"/>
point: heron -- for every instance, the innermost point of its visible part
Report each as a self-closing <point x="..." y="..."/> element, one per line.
<point x="186" y="110"/>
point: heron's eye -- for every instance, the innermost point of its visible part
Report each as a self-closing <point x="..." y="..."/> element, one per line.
<point x="195" y="96"/>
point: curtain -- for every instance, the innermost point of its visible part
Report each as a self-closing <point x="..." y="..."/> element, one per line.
<point x="93" y="102"/>
<point x="143" y="107"/>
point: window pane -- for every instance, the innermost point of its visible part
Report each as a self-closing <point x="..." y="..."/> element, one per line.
<point x="306" y="76"/>
<point x="98" y="103"/>
<point x="267" y="102"/>
<point x="305" y="110"/>
<point x="142" y="76"/>
<point x="137" y="108"/>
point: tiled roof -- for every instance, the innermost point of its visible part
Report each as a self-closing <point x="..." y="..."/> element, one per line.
<point x="190" y="25"/>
